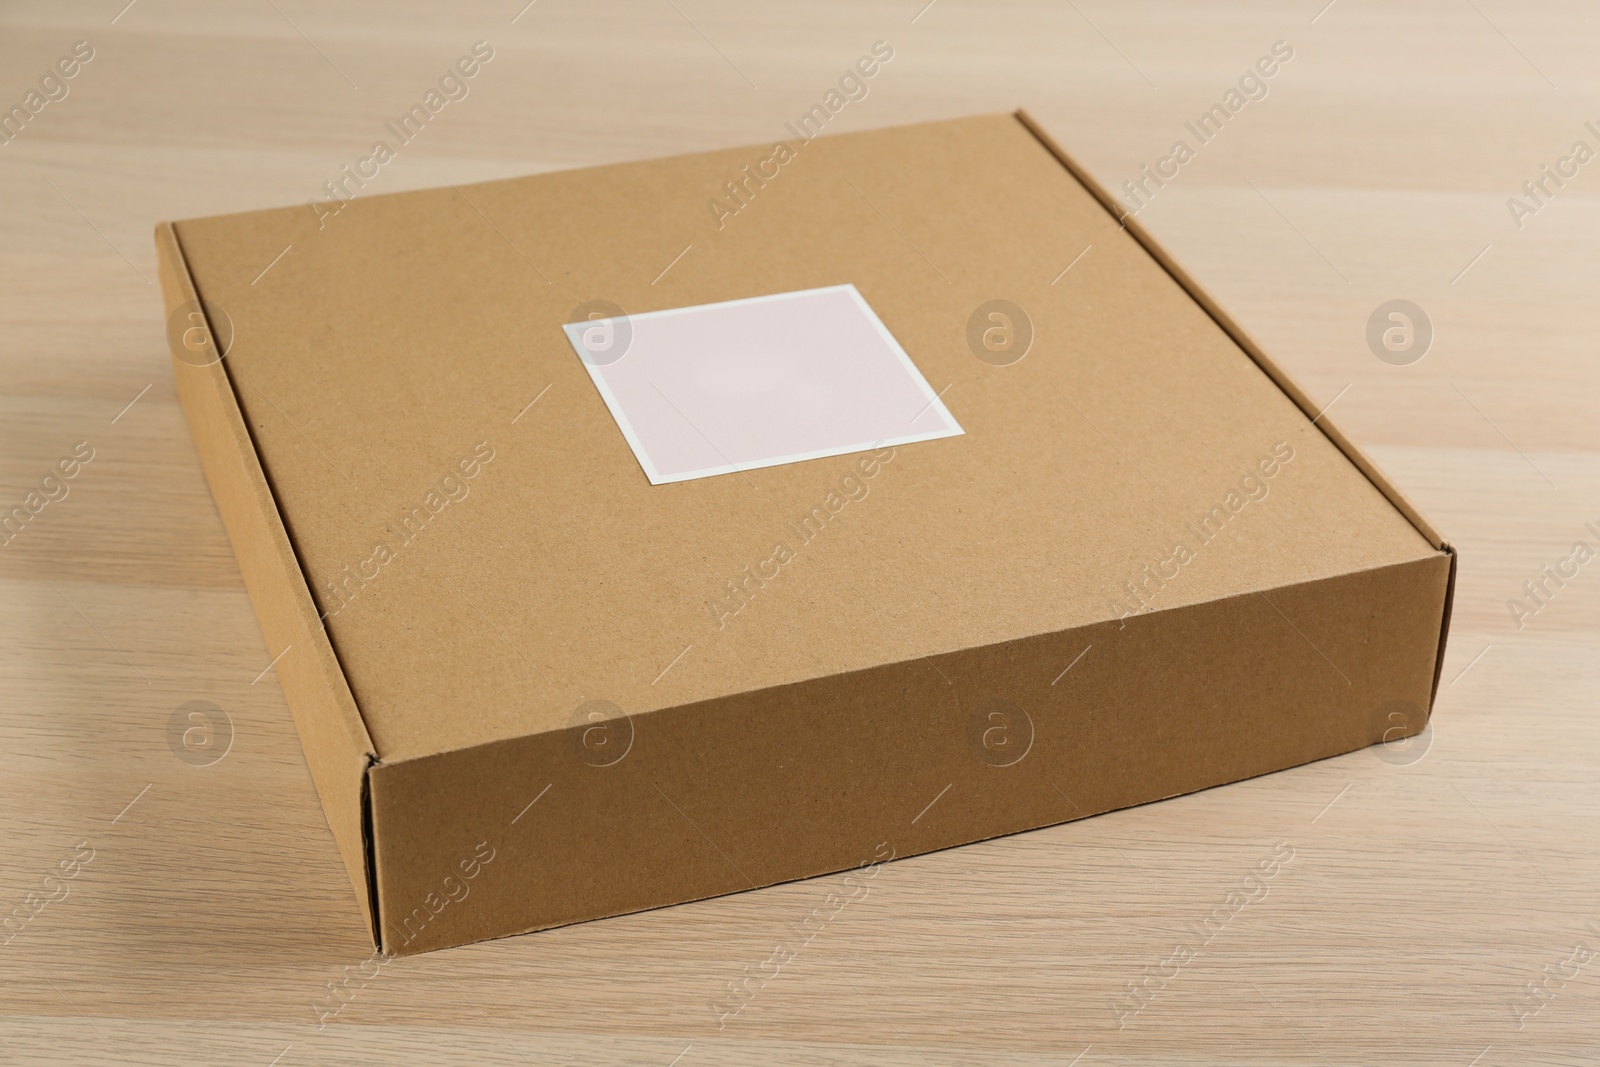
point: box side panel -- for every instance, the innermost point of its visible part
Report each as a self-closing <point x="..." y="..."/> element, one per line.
<point x="1242" y="337"/>
<point x="842" y="772"/>
<point x="336" y="744"/>
<point x="1444" y="624"/>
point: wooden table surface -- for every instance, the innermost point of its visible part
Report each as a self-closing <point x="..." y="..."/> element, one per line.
<point x="1440" y="905"/>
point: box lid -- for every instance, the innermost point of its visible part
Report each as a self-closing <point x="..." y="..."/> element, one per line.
<point x="410" y="338"/>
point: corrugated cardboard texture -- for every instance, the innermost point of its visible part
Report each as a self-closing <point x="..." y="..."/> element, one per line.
<point x="394" y="344"/>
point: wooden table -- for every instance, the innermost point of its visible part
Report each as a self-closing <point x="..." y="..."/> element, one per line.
<point x="1428" y="887"/>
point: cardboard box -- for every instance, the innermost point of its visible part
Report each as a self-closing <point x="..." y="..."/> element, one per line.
<point x="535" y="688"/>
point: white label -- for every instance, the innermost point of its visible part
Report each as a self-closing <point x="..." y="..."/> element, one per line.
<point x="719" y="388"/>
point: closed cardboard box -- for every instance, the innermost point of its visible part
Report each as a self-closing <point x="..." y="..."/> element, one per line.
<point x="555" y="657"/>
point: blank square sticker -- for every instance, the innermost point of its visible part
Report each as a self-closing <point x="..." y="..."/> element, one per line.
<point x="719" y="388"/>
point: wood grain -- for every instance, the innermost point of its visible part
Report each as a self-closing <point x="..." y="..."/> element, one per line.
<point x="1425" y="891"/>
